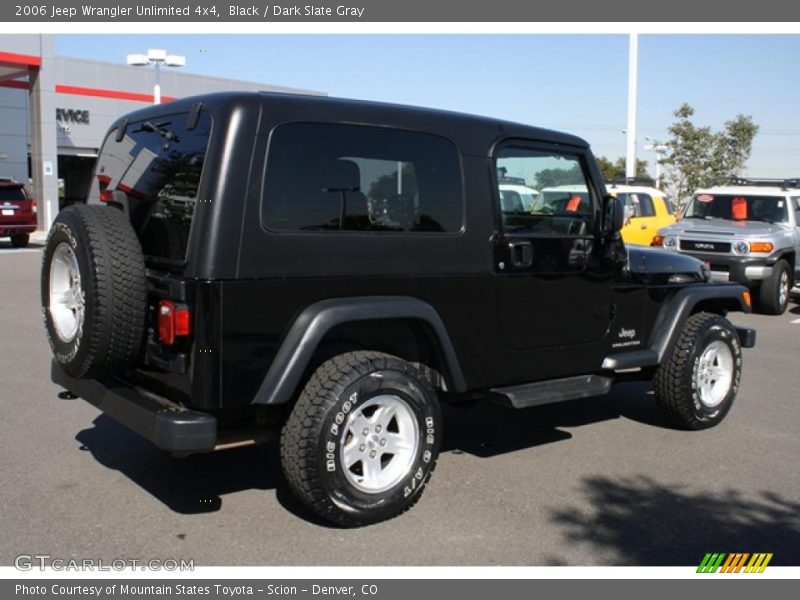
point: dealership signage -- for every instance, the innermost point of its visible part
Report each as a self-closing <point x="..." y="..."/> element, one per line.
<point x="71" y="115"/>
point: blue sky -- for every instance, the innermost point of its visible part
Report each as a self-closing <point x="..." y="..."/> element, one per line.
<point x="576" y="83"/>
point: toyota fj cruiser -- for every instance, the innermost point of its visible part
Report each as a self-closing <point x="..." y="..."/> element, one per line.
<point x="332" y="270"/>
<point x="748" y="232"/>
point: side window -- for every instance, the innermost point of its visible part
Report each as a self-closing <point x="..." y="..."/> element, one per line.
<point x="334" y="177"/>
<point x="631" y="204"/>
<point x="646" y="205"/>
<point x="796" y="207"/>
<point x="562" y="199"/>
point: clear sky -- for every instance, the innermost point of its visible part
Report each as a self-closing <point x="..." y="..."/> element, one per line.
<point x="575" y="83"/>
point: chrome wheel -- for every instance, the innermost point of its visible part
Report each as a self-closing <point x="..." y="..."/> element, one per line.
<point x="67" y="301"/>
<point x="714" y="373"/>
<point x="379" y="444"/>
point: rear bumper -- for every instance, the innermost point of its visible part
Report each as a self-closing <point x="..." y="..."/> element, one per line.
<point x="165" y="424"/>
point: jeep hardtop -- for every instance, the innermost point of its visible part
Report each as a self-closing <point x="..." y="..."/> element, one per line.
<point x="334" y="270"/>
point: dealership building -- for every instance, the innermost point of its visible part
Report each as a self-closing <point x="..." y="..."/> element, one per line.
<point x="55" y="111"/>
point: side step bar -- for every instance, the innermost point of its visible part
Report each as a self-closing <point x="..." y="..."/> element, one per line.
<point x="556" y="390"/>
<point x="164" y="423"/>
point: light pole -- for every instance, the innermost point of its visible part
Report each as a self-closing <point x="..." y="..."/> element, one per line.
<point x="633" y="65"/>
<point x="156" y="58"/>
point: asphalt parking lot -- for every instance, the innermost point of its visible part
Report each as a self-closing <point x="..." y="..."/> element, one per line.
<point x="602" y="481"/>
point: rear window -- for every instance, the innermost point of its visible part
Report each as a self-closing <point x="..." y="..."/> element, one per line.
<point x="158" y="165"/>
<point x="334" y="177"/>
<point x="738" y="207"/>
<point x="8" y="194"/>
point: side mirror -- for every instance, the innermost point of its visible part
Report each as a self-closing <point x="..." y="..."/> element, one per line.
<point x="613" y="215"/>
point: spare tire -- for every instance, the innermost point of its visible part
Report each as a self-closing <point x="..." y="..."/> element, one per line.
<point x="94" y="290"/>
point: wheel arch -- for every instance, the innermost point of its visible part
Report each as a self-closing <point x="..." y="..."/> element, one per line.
<point x="405" y="326"/>
<point x="790" y="257"/>
<point x="713" y="298"/>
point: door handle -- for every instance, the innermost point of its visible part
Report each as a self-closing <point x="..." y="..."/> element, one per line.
<point x="521" y="253"/>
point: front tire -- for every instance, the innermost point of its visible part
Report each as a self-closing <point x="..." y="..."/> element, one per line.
<point x="696" y="387"/>
<point x="362" y="439"/>
<point x="773" y="295"/>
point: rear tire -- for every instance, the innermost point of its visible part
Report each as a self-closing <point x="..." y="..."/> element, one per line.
<point x="773" y="296"/>
<point x="20" y="240"/>
<point x="362" y="439"/>
<point x="695" y="388"/>
<point x="93" y="289"/>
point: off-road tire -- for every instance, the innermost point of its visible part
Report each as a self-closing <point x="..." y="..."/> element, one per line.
<point x="773" y="295"/>
<point x="20" y="240"/>
<point x="676" y="380"/>
<point x="312" y="439"/>
<point x="112" y="277"/>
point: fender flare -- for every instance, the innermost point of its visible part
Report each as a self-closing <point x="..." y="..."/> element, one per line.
<point x="310" y="327"/>
<point x="670" y="320"/>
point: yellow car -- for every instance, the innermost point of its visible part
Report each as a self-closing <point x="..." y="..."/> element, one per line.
<point x="647" y="210"/>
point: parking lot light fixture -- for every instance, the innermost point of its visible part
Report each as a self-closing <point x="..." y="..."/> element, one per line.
<point x="157" y="58"/>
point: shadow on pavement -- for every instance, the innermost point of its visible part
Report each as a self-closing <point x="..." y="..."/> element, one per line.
<point x="485" y="429"/>
<point x="194" y="484"/>
<point x="5" y="244"/>
<point x="197" y="483"/>
<point x="646" y="523"/>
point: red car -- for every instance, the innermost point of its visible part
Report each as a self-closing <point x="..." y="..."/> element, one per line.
<point x="17" y="212"/>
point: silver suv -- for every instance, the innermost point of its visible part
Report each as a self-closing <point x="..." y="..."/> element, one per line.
<point x="748" y="232"/>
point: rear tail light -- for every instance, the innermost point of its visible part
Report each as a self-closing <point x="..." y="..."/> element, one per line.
<point x="106" y="195"/>
<point x="33" y="206"/>
<point x="174" y="321"/>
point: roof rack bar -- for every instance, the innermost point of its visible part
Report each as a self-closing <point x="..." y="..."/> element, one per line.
<point x="647" y="181"/>
<point x="784" y="184"/>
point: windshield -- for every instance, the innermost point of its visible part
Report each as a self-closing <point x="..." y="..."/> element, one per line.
<point x="736" y="207"/>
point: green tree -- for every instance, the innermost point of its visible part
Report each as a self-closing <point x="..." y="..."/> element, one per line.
<point x="553" y="177"/>
<point x="616" y="169"/>
<point x="698" y="156"/>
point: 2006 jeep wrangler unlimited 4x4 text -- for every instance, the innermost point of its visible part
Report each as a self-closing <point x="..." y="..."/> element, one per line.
<point x="332" y="270"/>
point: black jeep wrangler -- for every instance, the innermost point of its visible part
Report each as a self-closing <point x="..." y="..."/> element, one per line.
<point x="333" y="270"/>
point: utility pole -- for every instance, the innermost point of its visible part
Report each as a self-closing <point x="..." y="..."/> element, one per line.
<point x="633" y="60"/>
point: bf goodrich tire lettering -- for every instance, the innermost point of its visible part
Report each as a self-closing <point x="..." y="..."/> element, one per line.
<point x="362" y="439"/>
<point x="93" y="290"/>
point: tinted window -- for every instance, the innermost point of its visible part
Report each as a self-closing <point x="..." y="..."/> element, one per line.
<point x="563" y="201"/>
<point x="158" y="165"/>
<point x="796" y="207"/>
<point x="11" y="193"/>
<point x="331" y="177"/>
<point x="646" y="205"/>
<point x="771" y="209"/>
